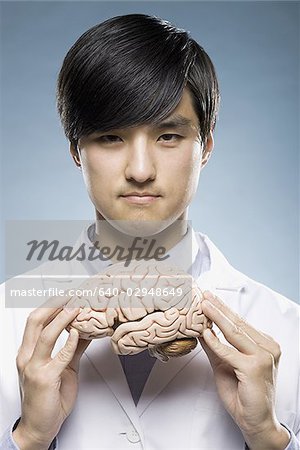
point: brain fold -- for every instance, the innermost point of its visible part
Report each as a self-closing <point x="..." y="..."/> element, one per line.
<point x="140" y="306"/>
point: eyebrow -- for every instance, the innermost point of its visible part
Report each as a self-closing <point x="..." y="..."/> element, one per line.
<point x="176" y="121"/>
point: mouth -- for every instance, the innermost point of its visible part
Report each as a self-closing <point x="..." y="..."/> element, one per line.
<point x="142" y="198"/>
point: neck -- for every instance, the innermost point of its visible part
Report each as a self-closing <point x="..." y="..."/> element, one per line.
<point x="136" y="242"/>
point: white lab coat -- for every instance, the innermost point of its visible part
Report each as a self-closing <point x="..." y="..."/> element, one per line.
<point x="179" y="407"/>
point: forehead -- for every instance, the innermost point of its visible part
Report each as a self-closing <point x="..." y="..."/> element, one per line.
<point x="183" y="116"/>
<point x="186" y="107"/>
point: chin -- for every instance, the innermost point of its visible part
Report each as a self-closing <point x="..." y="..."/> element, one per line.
<point x="142" y="227"/>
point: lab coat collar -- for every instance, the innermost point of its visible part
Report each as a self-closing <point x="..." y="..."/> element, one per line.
<point x="183" y="254"/>
<point x="221" y="275"/>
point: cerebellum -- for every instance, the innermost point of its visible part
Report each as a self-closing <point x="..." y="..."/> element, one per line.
<point x="144" y="305"/>
<point x="179" y="347"/>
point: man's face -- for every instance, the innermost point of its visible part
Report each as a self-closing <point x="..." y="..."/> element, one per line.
<point x="148" y="172"/>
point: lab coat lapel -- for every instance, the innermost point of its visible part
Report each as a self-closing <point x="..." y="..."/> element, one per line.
<point x="160" y="376"/>
<point x="163" y="373"/>
<point x="109" y="367"/>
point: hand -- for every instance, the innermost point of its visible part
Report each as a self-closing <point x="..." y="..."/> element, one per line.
<point x="48" y="384"/>
<point x="245" y="375"/>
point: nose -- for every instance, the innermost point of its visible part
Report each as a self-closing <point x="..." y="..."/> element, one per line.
<point x="140" y="165"/>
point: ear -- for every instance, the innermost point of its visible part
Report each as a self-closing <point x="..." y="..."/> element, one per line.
<point x="75" y="154"/>
<point x="207" y="149"/>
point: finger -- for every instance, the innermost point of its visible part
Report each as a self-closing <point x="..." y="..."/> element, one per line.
<point x="218" y="352"/>
<point x="213" y="358"/>
<point x="255" y="334"/>
<point x="81" y="347"/>
<point x="233" y="334"/>
<point x="50" y="334"/>
<point x="64" y="357"/>
<point x="36" y="321"/>
<point x="261" y="338"/>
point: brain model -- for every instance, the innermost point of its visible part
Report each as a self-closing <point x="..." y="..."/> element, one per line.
<point x="146" y="305"/>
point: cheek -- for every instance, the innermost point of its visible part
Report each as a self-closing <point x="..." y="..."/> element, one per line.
<point x="96" y="170"/>
<point x="184" y="169"/>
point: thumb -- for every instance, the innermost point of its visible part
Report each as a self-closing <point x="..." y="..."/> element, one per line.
<point x="66" y="354"/>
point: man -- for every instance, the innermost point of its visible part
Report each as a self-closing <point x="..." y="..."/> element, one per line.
<point x="138" y="99"/>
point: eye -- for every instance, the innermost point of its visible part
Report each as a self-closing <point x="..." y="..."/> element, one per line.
<point x="108" y="139"/>
<point x="169" y="137"/>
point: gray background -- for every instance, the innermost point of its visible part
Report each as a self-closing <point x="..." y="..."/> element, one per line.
<point x="247" y="200"/>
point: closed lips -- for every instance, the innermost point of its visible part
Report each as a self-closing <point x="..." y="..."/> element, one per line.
<point x="140" y="194"/>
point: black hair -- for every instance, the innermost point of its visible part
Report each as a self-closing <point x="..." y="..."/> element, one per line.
<point x="131" y="70"/>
